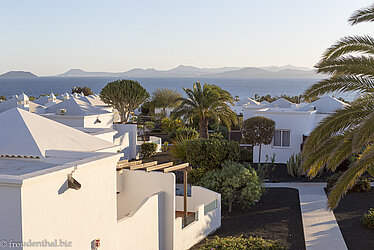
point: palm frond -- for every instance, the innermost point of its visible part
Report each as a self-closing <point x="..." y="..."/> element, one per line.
<point x="350" y="44"/>
<point x="337" y="84"/>
<point x="348" y="65"/>
<point x="341" y="120"/>
<point x="350" y="176"/>
<point x="362" y="15"/>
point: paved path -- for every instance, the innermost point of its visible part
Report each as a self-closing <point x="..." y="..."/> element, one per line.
<point x="321" y="231"/>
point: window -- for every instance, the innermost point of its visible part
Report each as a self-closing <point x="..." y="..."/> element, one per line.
<point x="282" y="138"/>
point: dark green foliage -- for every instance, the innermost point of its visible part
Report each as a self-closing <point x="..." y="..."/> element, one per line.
<point x="148" y="109"/>
<point x="2" y="98"/>
<point x="258" y="130"/>
<point x="206" y="102"/>
<point x="240" y="243"/>
<point x="185" y="132"/>
<point x="245" y="154"/>
<point x="224" y="131"/>
<point x="85" y="90"/>
<point x="294" y="164"/>
<point x="125" y="96"/>
<point x="210" y="153"/>
<point x="148" y="149"/>
<point x="362" y="185"/>
<point x="237" y="183"/>
<point x="368" y="218"/>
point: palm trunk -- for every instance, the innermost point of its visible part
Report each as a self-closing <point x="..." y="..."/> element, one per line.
<point x="203" y="128"/>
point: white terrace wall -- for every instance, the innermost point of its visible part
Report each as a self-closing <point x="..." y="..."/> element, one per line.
<point x="10" y="213"/>
<point x="299" y="124"/>
<point x="51" y="211"/>
<point x="126" y="137"/>
<point x="205" y="224"/>
<point x="140" y="229"/>
<point x="138" y="185"/>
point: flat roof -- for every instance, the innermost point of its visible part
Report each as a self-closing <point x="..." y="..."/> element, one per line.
<point x="16" y="166"/>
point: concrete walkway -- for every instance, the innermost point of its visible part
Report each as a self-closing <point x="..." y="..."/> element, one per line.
<point x="321" y="231"/>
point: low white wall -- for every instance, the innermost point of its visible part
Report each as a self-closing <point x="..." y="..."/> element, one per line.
<point x="205" y="224"/>
<point x="140" y="229"/>
<point x="199" y="196"/>
<point x="122" y="138"/>
<point x="136" y="186"/>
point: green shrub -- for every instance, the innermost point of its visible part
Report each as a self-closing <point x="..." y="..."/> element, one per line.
<point x="368" y="218"/>
<point x="237" y="243"/>
<point x="294" y="165"/>
<point x="209" y="154"/>
<point x="216" y="135"/>
<point x="224" y="131"/>
<point x="165" y="147"/>
<point x="245" y="154"/>
<point x="237" y="183"/>
<point x="148" y="149"/>
<point x="362" y="185"/>
<point x="185" y="132"/>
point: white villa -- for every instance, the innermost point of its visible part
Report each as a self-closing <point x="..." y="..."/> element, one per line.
<point x="293" y="123"/>
<point x="60" y="184"/>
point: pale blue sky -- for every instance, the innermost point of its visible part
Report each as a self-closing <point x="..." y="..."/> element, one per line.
<point x="50" y="37"/>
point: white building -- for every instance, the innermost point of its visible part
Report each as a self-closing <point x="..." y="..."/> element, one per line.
<point x="293" y="123"/>
<point x="47" y="100"/>
<point x="77" y="113"/>
<point x="63" y="186"/>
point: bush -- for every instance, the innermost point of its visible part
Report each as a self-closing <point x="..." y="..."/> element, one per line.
<point x="294" y="165"/>
<point x="185" y="132"/>
<point x="245" y="154"/>
<point x="368" y="218"/>
<point x="148" y="149"/>
<point x="211" y="153"/>
<point x="165" y="147"/>
<point x="237" y="183"/>
<point x="362" y="185"/>
<point x="232" y="243"/>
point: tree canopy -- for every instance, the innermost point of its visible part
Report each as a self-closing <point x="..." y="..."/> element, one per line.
<point x="165" y="98"/>
<point x="125" y="96"/>
<point x="205" y="102"/>
<point x="258" y="130"/>
<point x="85" y="90"/>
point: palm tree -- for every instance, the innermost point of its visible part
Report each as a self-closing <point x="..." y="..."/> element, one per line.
<point x="204" y="103"/>
<point x="349" y="131"/>
<point x="165" y="98"/>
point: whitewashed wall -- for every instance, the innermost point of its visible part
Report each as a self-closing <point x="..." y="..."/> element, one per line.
<point x="299" y="123"/>
<point x="192" y="234"/>
<point x="140" y="184"/>
<point x="10" y="213"/>
<point x="49" y="211"/>
<point x="139" y="230"/>
<point x="126" y="137"/>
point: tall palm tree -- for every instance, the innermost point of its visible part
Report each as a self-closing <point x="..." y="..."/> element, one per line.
<point x="206" y="102"/>
<point x="349" y="131"/>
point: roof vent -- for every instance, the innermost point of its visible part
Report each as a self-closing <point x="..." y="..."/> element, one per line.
<point x="61" y="112"/>
<point x="313" y="108"/>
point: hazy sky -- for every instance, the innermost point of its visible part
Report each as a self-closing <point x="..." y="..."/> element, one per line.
<point x="50" y="37"/>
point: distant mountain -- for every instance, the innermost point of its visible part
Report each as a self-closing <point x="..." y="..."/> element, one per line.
<point x="289" y="66"/>
<point x="288" y="71"/>
<point x="18" y="74"/>
<point x="79" y="72"/>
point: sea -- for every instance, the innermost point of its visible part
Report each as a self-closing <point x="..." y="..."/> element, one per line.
<point x="241" y="87"/>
